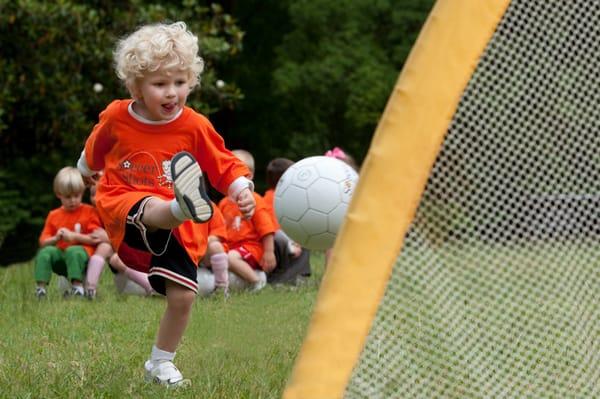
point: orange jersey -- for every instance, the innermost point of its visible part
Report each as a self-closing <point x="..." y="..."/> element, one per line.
<point x="84" y="220"/>
<point x="269" y="202"/>
<point x="216" y="225"/>
<point x="247" y="232"/>
<point x="136" y="159"/>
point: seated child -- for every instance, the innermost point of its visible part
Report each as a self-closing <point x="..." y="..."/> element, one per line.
<point x="293" y="262"/>
<point x="216" y="251"/>
<point x="338" y="153"/>
<point x="250" y="241"/>
<point x="66" y="241"/>
<point x="128" y="273"/>
<point x="101" y="255"/>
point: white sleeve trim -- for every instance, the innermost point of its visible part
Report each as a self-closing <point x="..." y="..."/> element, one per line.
<point x="238" y="185"/>
<point x="83" y="166"/>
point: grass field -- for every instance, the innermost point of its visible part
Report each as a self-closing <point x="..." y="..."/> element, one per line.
<point x="243" y="347"/>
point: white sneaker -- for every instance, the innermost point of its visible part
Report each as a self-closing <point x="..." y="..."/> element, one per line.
<point x="165" y="373"/>
<point x="40" y="292"/>
<point x="189" y="187"/>
<point x="260" y="284"/>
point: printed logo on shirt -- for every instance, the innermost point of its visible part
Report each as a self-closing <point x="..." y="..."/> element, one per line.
<point x="142" y="169"/>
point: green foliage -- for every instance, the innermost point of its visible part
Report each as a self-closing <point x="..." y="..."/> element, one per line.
<point x="337" y="66"/>
<point x="52" y="54"/>
<point x="316" y="74"/>
<point x="10" y="213"/>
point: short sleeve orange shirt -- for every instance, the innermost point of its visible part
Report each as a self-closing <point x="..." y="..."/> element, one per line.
<point x="270" y="204"/>
<point x="84" y="220"/>
<point x="216" y="225"/>
<point x="247" y="232"/>
<point x="136" y="157"/>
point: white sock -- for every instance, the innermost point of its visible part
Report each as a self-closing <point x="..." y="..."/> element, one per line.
<point x="159" y="355"/>
<point x="176" y="211"/>
<point x="218" y="263"/>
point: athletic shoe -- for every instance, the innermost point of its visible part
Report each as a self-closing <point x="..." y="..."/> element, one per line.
<point x="189" y="188"/>
<point x="90" y="294"/>
<point x="40" y="292"/>
<point x="165" y="373"/>
<point x="77" y="293"/>
<point x="259" y="285"/>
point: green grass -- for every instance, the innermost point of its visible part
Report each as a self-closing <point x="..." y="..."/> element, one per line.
<point x="243" y="347"/>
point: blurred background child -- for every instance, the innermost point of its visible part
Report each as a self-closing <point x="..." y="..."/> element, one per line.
<point x="250" y="240"/>
<point x="66" y="241"/>
<point x="216" y="258"/>
<point x="338" y="153"/>
<point x="101" y="255"/>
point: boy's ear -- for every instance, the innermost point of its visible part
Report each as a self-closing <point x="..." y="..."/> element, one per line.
<point x="134" y="91"/>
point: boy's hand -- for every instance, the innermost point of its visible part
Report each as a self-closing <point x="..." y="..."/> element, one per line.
<point x="246" y="203"/>
<point x="268" y="261"/>
<point x="92" y="180"/>
<point x="65" y="234"/>
<point x="99" y="235"/>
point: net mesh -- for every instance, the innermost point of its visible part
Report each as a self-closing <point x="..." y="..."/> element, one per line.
<point x="496" y="290"/>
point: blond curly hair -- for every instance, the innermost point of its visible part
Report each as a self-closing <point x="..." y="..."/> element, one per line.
<point x="158" y="46"/>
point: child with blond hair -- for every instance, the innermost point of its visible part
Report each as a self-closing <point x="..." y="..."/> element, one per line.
<point x="250" y="240"/>
<point x="66" y="241"/>
<point x="153" y="150"/>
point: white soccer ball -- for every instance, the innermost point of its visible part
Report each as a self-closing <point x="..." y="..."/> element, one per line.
<point x="311" y="200"/>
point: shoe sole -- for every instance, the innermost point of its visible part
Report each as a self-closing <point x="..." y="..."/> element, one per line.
<point x="189" y="187"/>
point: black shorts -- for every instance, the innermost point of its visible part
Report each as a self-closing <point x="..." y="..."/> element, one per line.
<point x="169" y="258"/>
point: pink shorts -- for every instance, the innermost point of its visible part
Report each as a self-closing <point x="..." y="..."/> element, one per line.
<point x="247" y="256"/>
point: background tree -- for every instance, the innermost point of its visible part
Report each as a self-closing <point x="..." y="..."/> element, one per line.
<point x="318" y="73"/>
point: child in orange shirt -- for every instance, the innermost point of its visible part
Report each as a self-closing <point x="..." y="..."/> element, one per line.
<point x="66" y="242"/>
<point x="216" y="252"/>
<point x="151" y="195"/>
<point x="293" y="262"/>
<point x="250" y="240"/>
<point x="215" y="258"/>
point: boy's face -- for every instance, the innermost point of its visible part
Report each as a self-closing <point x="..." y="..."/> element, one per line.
<point x="70" y="202"/>
<point x="160" y="95"/>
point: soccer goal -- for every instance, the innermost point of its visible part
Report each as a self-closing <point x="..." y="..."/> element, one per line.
<point x="468" y="263"/>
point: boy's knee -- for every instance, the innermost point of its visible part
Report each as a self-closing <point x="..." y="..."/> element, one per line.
<point x="179" y="296"/>
<point x="215" y="247"/>
<point x="47" y="251"/>
<point x="75" y="251"/>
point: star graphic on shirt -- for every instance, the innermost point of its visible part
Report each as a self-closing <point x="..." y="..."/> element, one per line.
<point x="126" y="165"/>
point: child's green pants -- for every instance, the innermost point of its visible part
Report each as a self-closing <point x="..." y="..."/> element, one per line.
<point x="70" y="263"/>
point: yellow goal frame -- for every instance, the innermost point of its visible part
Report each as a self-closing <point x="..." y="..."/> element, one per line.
<point x="393" y="177"/>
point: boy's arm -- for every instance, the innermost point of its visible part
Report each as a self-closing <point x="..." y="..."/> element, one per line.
<point x="51" y="240"/>
<point x="79" y="238"/>
<point x="49" y="235"/>
<point x="100" y="141"/>
<point x="268" y="261"/>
